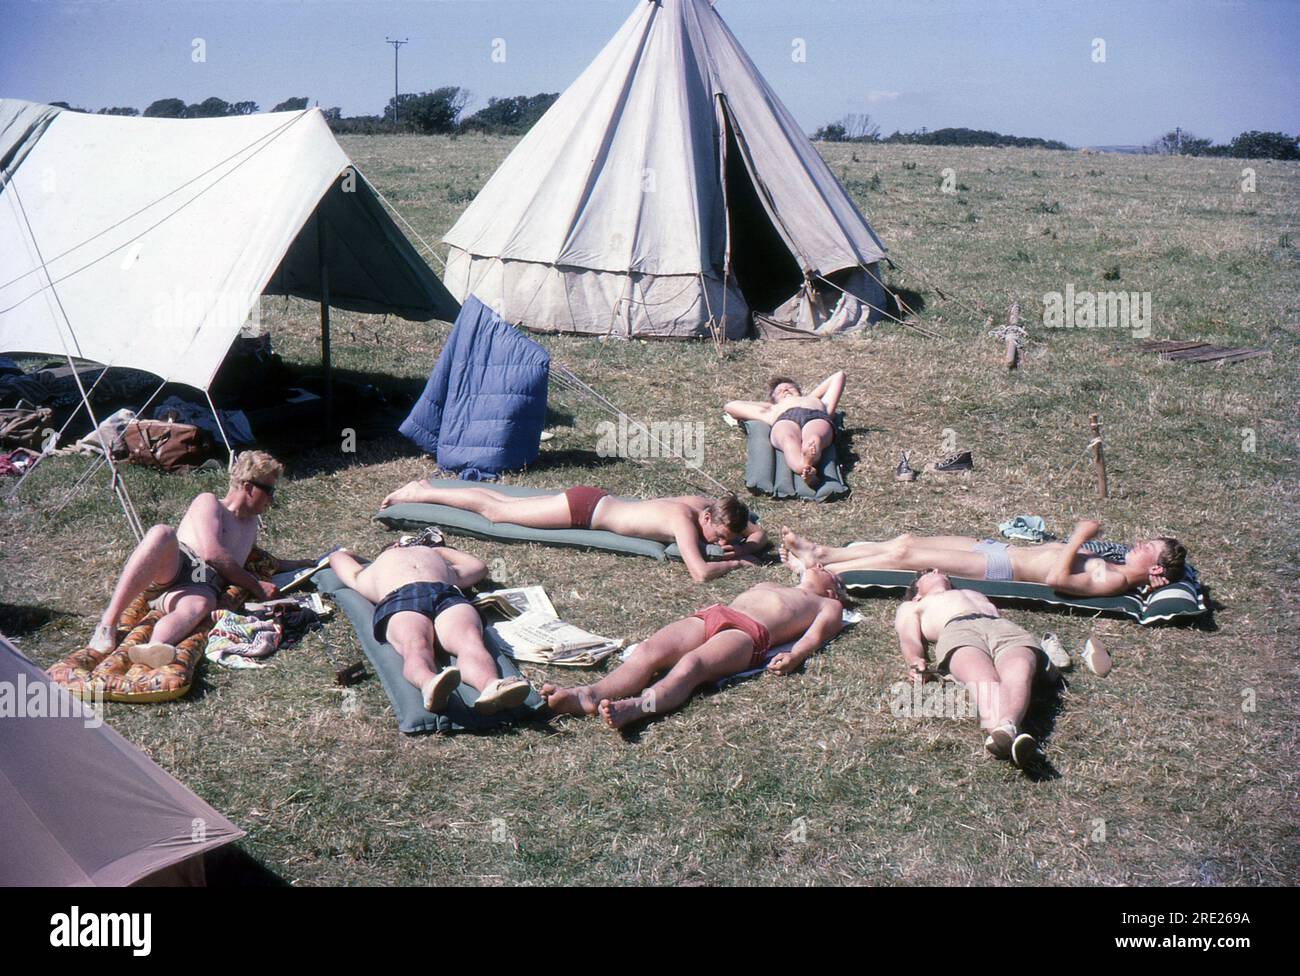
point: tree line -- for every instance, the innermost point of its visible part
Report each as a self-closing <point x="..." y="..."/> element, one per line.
<point x="440" y="111"/>
<point x="1249" y="145"/>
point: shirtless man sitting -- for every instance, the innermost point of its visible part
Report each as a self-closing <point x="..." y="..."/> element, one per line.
<point x="1079" y="566"/>
<point x="419" y="606"/>
<point x="711" y="645"/>
<point x="978" y="647"/>
<point x="691" y="521"/>
<point x="184" y="571"/>
<point x="802" y="426"/>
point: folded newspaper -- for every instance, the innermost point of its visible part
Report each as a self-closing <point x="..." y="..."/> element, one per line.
<point x="533" y="632"/>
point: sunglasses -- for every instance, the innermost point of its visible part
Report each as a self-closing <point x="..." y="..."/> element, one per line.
<point x="269" y="489"/>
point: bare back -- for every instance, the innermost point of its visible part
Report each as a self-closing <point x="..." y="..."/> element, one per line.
<point x="787" y="612"/>
<point x="655" y="518"/>
<point x="394" y="568"/>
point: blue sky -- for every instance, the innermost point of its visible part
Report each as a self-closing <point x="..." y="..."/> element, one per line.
<point x="1216" y="67"/>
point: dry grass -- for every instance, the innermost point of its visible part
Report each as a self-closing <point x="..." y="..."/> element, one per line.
<point x="1191" y="788"/>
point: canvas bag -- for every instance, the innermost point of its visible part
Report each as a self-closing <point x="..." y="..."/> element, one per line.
<point x="23" y="426"/>
<point x="166" y="445"/>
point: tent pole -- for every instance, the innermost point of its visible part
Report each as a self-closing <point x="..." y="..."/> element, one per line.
<point x="326" y="360"/>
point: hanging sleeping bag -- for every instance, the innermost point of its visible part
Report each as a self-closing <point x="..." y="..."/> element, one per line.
<point x="485" y="403"/>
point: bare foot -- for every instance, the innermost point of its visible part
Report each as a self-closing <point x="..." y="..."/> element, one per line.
<point x="811" y="477"/>
<point x="622" y="712"/>
<point x="806" y="552"/>
<point x="409" y="492"/>
<point x="569" y="701"/>
<point x="792" y="561"/>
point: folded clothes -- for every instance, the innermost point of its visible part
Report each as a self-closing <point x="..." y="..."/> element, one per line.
<point x="1028" y="527"/>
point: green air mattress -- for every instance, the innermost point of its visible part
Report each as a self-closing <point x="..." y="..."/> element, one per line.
<point x="412" y="718"/>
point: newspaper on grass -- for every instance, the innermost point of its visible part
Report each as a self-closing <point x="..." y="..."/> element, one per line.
<point x="534" y="633"/>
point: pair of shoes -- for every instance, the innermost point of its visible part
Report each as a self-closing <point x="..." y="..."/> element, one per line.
<point x="1005" y="742"/>
<point x="952" y="464"/>
<point x="502" y="694"/>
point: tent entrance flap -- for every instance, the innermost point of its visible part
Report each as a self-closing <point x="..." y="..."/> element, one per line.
<point x="761" y="260"/>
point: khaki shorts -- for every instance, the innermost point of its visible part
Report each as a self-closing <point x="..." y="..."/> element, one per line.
<point x="992" y="635"/>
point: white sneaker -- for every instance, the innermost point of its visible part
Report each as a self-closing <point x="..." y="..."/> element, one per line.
<point x="104" y="639"/>
<point x="157" y="655"/>
<point x="999" y="741"/>
<point x="437" y="690"/>
<point x="1056" y="652"/>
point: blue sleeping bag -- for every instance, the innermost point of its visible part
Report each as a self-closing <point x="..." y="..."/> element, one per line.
<point x="485" y="403"/>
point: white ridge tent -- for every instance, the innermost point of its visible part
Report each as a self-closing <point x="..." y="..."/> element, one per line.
<point x="146" y="242"/>
<point x="668" y="192"/>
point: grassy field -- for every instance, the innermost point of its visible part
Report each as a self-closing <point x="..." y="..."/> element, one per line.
<point x="1161" y="772"/>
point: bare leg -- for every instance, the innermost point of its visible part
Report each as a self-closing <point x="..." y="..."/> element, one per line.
<point x="411" y="636"/>
<point x="155" y="560"/>
<point x="974" y="668"/>
<point x="808" y="553"/>
<point x="786" y="438"/>
<point x="817" y="436"/>
<point x="537" y="511"/>
<point x="183" y="610"/>
<point x="654" y="655"/>
<point x="914" y="557"/>
<point x="460" y="632"/>
<point x="1016" y="668"/>
<point x="891" y="554"/>
<point x="722" y="655"/>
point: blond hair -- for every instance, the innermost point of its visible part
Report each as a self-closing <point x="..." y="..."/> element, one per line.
<point x="254" y="466"/>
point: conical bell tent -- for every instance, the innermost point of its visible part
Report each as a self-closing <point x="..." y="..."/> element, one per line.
<point x="668" y="193"/>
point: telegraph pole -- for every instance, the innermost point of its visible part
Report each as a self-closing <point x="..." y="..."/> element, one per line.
<point x="396" y="46"/>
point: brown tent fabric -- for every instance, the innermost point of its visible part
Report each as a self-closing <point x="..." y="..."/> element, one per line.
<point x="80" y="805"/>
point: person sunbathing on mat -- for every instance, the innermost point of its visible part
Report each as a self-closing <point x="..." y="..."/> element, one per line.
<point x="419" y="606"/>
<point x="1080" y="566"/>
<point x="711" y="645"/>
<point x="802" y="426"/>
<point x="184" y="571"/>
<point x="691" y="521"/>
<point x="978" y="647"/>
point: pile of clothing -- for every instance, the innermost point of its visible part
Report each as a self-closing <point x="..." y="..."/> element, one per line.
<point x="249" y="639"/>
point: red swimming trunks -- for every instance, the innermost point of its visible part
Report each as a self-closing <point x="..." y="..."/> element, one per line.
<point x="718" y="618"/>
<point x="583" y="500"/>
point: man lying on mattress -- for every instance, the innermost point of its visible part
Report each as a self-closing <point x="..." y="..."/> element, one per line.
<point x="1080" y="566"/>
<point x="419" y="605"/>
<point x="711" y="645"/>
<point x="184" y="571"/>
<point x="803" y="424"/>
<point x="691" y="521"/>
